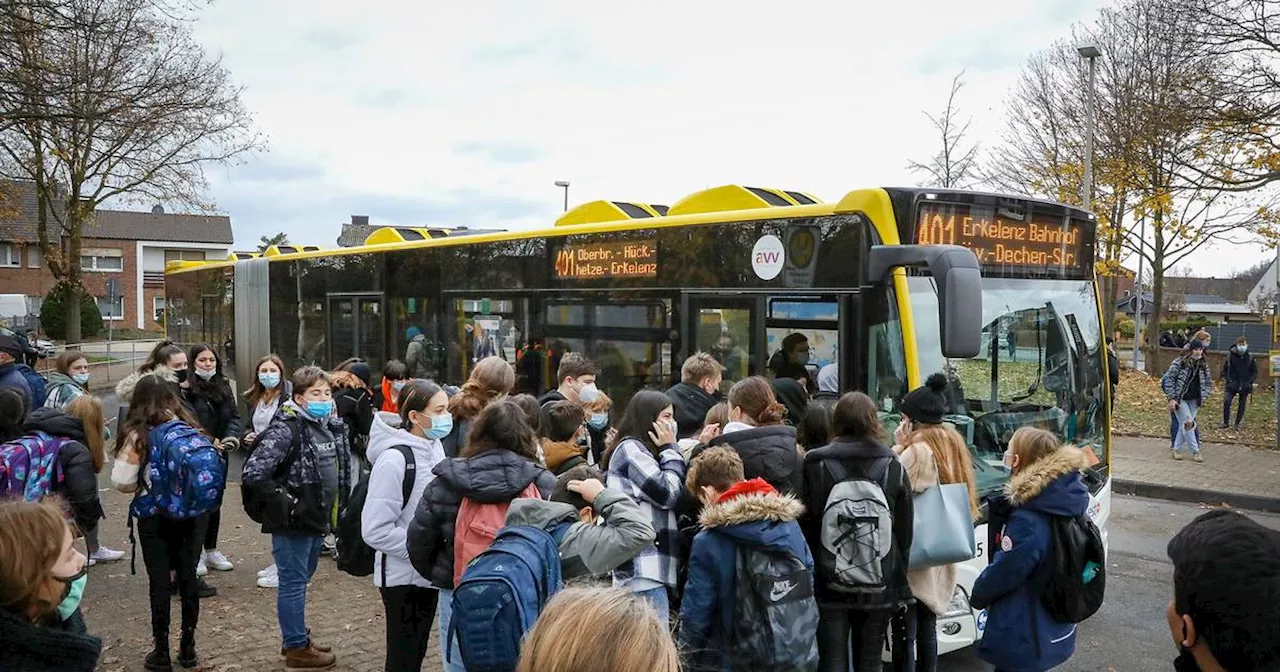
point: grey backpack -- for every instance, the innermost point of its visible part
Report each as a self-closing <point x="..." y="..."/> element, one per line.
<point x="857" y="553"/>
<point x="775" y="615"/>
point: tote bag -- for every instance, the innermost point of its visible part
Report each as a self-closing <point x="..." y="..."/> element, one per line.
<point x="943" y="532"/>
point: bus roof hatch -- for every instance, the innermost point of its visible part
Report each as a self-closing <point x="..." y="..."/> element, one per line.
<point x="738" y="197"/>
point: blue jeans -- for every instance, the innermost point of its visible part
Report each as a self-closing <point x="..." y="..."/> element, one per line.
<point x="1186" y="412"/>
<point x="452" y="660"/>
<point x="661" y="602"/>
<point x="296" y="559"/>
<point x="1173" y="430"/>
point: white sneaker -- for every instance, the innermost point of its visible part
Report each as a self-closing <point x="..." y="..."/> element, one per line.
<point x="201" y="569"/>
<point x="218" y="561"/>
<point x="269" y="581"/>
<point x="269" y="571"/>
<point x="104" y="554"/>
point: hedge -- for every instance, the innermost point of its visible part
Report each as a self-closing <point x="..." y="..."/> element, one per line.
<point x="53" y="315"/>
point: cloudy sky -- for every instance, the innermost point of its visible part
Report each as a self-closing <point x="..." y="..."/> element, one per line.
<point x="449" y="113"/>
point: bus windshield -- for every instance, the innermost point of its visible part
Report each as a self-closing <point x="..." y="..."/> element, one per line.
<point x="1040" y="366"/>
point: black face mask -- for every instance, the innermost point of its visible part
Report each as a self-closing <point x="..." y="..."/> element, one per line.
<point x="182" y="375"/>
<point x="1185" y="662"/>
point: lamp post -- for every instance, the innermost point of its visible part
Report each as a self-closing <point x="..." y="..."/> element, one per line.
<point x="564" y="184"/>
<point x="1091" y="53"/>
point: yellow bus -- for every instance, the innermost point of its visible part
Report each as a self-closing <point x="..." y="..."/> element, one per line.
<point x="880" y="288"/>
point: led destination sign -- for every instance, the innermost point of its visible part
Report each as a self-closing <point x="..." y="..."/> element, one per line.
<point x="637" y="259"/>
<point x="998" y="240"/>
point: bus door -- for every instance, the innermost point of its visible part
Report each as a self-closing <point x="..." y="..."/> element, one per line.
<point x="802" y="335"/>
<point x="631" y="338"/>
<point x="483" y="325"/>
<point x="729" y="328"/>
<point x="356" y="328"/>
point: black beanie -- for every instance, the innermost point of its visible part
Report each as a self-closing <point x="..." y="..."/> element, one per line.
<point x="929" y="403"/>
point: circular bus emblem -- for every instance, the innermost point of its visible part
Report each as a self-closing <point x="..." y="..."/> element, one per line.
<point x="767" y="257"/>
<point x="802" y="246"/>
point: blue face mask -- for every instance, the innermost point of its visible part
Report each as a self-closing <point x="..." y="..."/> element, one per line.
<point x="319" y="409"/>
<point x="441" y="425"/>
<point x="80" y="378"/>
<point x="598" y="421"/>
<point x="75" y="591"/>
<point x="269" y="380"/>
<point x="398" y="385"/>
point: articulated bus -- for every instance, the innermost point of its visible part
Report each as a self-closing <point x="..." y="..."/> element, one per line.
<point x="890" y="285"/>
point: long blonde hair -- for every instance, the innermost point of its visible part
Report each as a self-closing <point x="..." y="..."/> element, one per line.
<point x="1032" y="444"/>
<point x="592" y="629"/>
<point x="88" y="409"/>
<point x="491" y="379"/>
<point x="952" y="457"/>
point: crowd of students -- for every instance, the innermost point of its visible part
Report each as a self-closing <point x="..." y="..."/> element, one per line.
<point x="775" y="532"/>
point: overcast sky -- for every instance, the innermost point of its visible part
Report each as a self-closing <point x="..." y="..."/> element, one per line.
<point x="449" y="113"/>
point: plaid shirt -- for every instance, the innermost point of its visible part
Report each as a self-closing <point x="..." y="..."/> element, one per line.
<point x="656" y="486"/>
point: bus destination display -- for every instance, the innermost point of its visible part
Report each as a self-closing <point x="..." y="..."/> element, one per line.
<point x="1001" y="241"/>
<point x="591" y="261"/>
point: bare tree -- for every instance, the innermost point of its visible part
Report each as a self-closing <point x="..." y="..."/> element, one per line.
<point x="264" y="242"/>
<point x="113" y="101"/>
<point x="955" y="164"/>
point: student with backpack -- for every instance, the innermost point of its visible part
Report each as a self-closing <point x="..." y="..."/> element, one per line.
<point x="15" y="374"/>
<point x="856" y="489"/>
<point x="290" y="483"/>
<point x="76" y="436"/>
<point x="208" y="393"/>
<point x="491" y="380"/>
<point x="404" y="448"/>
<point x="466" y="504"/>
<point x="176" y="475"/>
<point x="598" y="528"/>
<point x="748" y="603"/>
<point x="1045" y="490"/>
<point x="646" y="465"/>
<point x="934" y="454"/>
<point x="768" y="447"/>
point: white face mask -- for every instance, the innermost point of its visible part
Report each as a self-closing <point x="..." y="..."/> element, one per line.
<point x="588" y="393"/>
<point x="205" y="375"/>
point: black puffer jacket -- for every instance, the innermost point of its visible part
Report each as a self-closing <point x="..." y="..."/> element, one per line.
<point x="64" y="647"/>
<point x="768" y="452"/>
<point x="79" y="486"/>
<point x="691" y="404"/>
<point x="491" y="476"/>
<point x="217" y="411"/>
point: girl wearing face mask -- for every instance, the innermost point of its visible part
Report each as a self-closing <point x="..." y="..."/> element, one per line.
<point x="395" y="375"/>
<point x="208" y="393"/>
<point x="1187" y="385"/>
<point x="270" y="388"/>
<point x="597" y="423"/>
<point x="395" y="439"/>
<point x="69" y="380"/>
<point x="647" y="466"/>
<point x="41" y="583"/>
<point x="166" y="359"/>
<point x="768" y="447"/>
<point x="1045" y="483"/>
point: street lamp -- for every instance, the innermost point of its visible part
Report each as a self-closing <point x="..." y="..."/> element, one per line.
<point x="1086" y="190"/>
<point x="564" y="184"/>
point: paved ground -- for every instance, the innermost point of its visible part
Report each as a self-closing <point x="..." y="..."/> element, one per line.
<point x="1235" y="474"/>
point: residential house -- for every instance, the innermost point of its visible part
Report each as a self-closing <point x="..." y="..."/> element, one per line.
<point x="1209" y="306"/>
<point x="354" y="233"/>
<point x="127" y="246"/>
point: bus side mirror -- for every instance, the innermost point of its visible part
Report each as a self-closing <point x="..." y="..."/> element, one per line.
<point x="959" y="278"/>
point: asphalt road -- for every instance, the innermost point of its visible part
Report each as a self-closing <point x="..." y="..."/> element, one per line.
<point x="1130" y="632"/>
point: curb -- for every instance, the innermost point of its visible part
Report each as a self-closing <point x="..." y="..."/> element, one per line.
<point x="1235" y="500"/>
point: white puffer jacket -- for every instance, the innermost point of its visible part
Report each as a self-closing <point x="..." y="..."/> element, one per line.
<point x="384" y="523"/>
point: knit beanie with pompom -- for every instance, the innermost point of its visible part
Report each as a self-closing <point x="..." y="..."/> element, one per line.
<point x="927" y="404"/>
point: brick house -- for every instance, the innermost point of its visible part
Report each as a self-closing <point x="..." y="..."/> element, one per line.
<point x="132" y="247"/>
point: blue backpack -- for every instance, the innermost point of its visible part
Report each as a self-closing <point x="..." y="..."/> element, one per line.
<point x="502" y="593"/>
<point x="187" y="474"/>
<point x="38" y="385"/>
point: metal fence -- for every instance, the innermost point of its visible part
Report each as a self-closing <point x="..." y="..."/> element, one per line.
<point x="21" y="323"/>
<point x="109" y="361"/>
<point x="1225" y="335"/>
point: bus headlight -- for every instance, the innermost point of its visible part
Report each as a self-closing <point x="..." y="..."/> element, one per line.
<point x="959" y="605"/>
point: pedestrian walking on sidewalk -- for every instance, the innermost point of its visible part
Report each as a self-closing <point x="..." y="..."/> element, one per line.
<point x="1240" y="372"/>
<point x="1187" y="386"/>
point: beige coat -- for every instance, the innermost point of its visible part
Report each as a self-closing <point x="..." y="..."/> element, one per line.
<point x="932" y="586"/>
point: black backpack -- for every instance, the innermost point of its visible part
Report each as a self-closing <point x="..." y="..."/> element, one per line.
<point x="775" y="617"/>
<point x="1074" y="574"/>
<point x="354" y="556"/>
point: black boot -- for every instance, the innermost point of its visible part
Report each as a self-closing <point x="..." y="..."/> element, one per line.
<point x="204" y="589"/>
<point x="187" y="649"/>
<point x="158" y="660"/>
